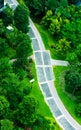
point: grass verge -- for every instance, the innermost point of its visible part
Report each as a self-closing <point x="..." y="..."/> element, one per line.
<point x="21" y="1"/>
<point x="68" y="102"/>
<point x="43" y="108"/>
<point x="47" y="38"/>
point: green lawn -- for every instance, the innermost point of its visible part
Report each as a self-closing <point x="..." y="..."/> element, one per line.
<point x="21" y="1"/>
<point x="47" y="38"/>
<point x="43" y="108"/>
<point x="70" y="104"/>
<point x="68" y="101"/>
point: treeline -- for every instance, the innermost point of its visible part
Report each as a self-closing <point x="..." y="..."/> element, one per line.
<point x="18" y="108"/>
<point x="40" y="7"/>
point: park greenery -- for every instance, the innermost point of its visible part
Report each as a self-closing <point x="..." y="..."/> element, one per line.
<point x="59" y="23"/>
<point x="22" y="106"/>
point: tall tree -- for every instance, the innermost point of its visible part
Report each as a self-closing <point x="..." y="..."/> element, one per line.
<point x="64" y="3"/>
<point x="6" y="124"/>
<point x="73" y="1"/>
<point x="52" y="4"/>
<point x="3" y="47"/>
<point x="73" y="80"/>
<point x="24" y="49"/>
<point x="27" y="111"/>
<point x="21" y="18"/>
<point x="5" y="67"/>
<point x="7" y="16"/>
<point x="37" y="7"/>
<point x="4" y="107"/>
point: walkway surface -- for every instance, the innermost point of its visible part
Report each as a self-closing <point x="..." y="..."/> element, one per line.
<point x="46" y="79"/>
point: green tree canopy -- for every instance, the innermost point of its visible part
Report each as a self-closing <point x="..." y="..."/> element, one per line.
<point x="24" y="49"/>
<point x="6" y="124"/>
<point x="5" y="67"/>
<point x="27" y="111"/>
<point x="73" y="80"/>
<point x="7" y="16"/>
<point x="4" y="107"/>
<point x="21" y="18"/>
<point x="37" y="7"/>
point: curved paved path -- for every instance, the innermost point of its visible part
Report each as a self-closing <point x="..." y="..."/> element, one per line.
<point x="46" y="79"/>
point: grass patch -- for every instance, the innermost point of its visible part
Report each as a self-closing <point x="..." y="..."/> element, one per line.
<point x="21" y="1"/>
<point x="47" y="38"/>
<point x="43" y="107"/>
<point x="68" y="102"/>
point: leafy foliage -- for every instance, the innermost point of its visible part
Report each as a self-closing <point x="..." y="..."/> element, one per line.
<point x="73" y="80"/>
<point x="37" y="7"/>
<point x="6" y="124"/>
<point x="18" y="108"/>
<point x="7" y="16"/>
<point x="26" y="112"/>
<point x="21" y="19"/>
<point x="78" y="110"/>
<point x="4" y="107"/>
<point x="64" y="23"/>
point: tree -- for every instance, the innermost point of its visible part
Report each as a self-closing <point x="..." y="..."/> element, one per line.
<point x="3" y="47"/>
<point x="6" y="124"/>
<point x="7" y="16"/>
<point x="21" y="18"/>
<point x="27" y="111"/>
<point x="69" y="32"/>
<point x="14" y="90"/>
<point x="72" y="58"/>
<point x="55" y="27"/>
<point x="5" y="68"/>
<point x="4" y="107"/>
<point x="44" y="123"/>
<point x="73" y="1"/>
<point x="64" y="3"/>
<point x="52" y="4"/>
<point x="23" y="50"/>
<point x="11" y="37"/>
<point x="72" y="80"/>
<point x="46" y="20"/>
<point x="78" y="51"/>
<point x="37" y="7"/>
<point x="2" y="29"/>
<point x="62" y="48"/>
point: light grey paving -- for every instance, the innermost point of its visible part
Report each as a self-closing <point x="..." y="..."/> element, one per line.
<point x="35" y="45"/>
<point x="46" y="58"/>
<point x="54" y="107"/>
<point x="41" y="76"/>
<point x="49" y="73"/>
<point x="13" y="7"/>
<point x="66" y="125"/>
<point x="59" y="62"/>
<point x="9" y="2"/>
<point x="46" y="90"/>
<point x="31" y="33"/>
<point x="38" y="58"/>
